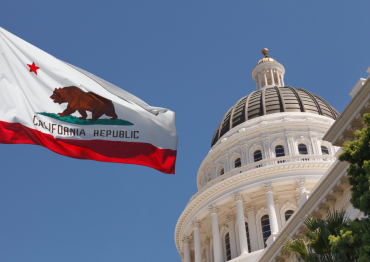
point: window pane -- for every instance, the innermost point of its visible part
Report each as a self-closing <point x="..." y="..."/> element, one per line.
<point x="324" y="150"/>
<point x="266" y="231"/>
<point x="279" y="150"/>
<point x="302" y="149"/>
<point x="249" y="241"/>
<point x="257" y="155"/>
<point x="222" y="172"/>
<point x="228" y="251"/>
<point x="238" y="163"/>
<point x="288" y="214"/>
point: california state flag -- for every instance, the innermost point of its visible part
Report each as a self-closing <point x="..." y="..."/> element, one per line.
<point x="45" y="101"/>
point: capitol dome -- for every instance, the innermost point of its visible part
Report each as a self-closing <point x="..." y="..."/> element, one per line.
<point x="267" y="155"/>
<point x="270" y="100"/>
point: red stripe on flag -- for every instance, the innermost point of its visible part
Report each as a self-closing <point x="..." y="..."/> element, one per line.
<point x="100" y="150"/>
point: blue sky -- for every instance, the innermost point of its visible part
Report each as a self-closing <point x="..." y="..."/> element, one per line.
<point x="193" y="57"/>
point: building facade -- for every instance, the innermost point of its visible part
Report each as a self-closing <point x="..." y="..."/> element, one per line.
<point x="267" y="156"/>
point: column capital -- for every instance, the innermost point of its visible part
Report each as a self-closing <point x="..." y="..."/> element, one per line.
<point x="301" y="182"/>
<point x="186" y="240"/>
<point x="238" y="197"/>
<point x="213" y="208"/>
<point x="249" y="208"/>
<point x="196" y="223"/>
<point x="229" y="217"/>
<point x="268" y="187"/>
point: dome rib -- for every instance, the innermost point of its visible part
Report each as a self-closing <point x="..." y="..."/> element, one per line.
<point x="247" y="105"/>
<point x="281" y="99"/>
<point x="270" y="100"/>
<point x="303" y="109"/>
<point x="313" y="98"/>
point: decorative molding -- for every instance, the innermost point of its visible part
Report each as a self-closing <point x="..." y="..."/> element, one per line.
<point x="336" y="192"/>
<point x="229" y="217"/>
<point x="186" y="240"/>
<point x="328" y="201"/>
<point x="249" y="208"/>
<point x="238" y="197"/>
<point x="207" y="241"/>
<point x="287" y="203"/>
<point x="268" y="187"/>
<point x="276" y="200"/>
<point x="213" y="208"/>
<point x="196" y="223"/>
<point x="321" y="210"/>
<point x="343" y="183"/>
<point x="301" y="183"/>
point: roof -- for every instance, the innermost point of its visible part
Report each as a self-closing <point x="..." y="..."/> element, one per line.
<point x="270" y="100"/>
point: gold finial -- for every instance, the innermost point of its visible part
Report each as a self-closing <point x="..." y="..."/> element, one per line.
<point x="265" y="51"/>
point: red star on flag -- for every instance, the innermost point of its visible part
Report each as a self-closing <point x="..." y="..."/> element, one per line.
<point x="33" y="68"/>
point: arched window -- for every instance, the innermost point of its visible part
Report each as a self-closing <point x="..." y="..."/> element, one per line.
<point x="222" y="172"/>
<point x="302" y="148"/>
<point x="266" y="231"/>
<point x="279" y="151"/>
<point x="288" y="214"/>
<point x="227" y="243"/>
<point x="257" y="155"/>
<point x="249" y="241"/>
<point x="324" y="150"/>
<point x="238" y="163"/>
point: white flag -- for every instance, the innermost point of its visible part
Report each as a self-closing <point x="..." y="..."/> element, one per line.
<point x="45" y="101"/>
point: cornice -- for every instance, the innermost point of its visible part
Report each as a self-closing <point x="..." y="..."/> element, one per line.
<point x="219" y="189"/>
<point x="349" y="113"/>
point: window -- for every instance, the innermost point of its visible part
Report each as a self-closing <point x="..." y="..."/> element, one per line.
<point x="257" y="155"/>
<point x="279" y="151"/>
<point x="288" y="214"/>
<point x="222" y="172"/>
<point x="266" y="231"/>
<point x="238" y="163"/>
<point x="249" y="241"/>
<point x="302" y="148"/>
<point x="324" y="150"/>
<point x="227" y="243"/>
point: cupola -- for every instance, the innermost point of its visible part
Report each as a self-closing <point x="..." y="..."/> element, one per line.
<point x="268" y="72"/>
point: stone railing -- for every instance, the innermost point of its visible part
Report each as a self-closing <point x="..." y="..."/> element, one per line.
<point x="264" y="163"/>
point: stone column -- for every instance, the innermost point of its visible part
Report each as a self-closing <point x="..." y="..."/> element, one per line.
<point x="313" y="137"/>
<point x="208" y="251"/>
<point x="265" y="141"/>
<point x="241" y="223"/>
<point x="277" y="210"/>
<point x="216" y="234"/>
<point x="271" y="208"/>
<point x="197" y="246"/>
<point x="231" y="227"/>
<point x="259" y="81"/>
<point x="301" y="185"/>
<point x="186" y="243"/>
<point x="282" y="79"/>
<point x="264" y="75"/>
<point x="278" y="77"/>
<point x="252" y="227"/>
<point x="272" y="76"/>
<point x="290" y="142"/>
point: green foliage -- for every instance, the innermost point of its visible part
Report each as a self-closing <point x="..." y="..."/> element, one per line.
<point x="315" y="245"/>
<point x="357" y="154"/>
<point x="353" y="239"/>
<point x="77" y="121"/>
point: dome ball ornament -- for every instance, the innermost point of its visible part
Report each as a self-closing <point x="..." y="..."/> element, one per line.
<point x="265" y="51"/>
